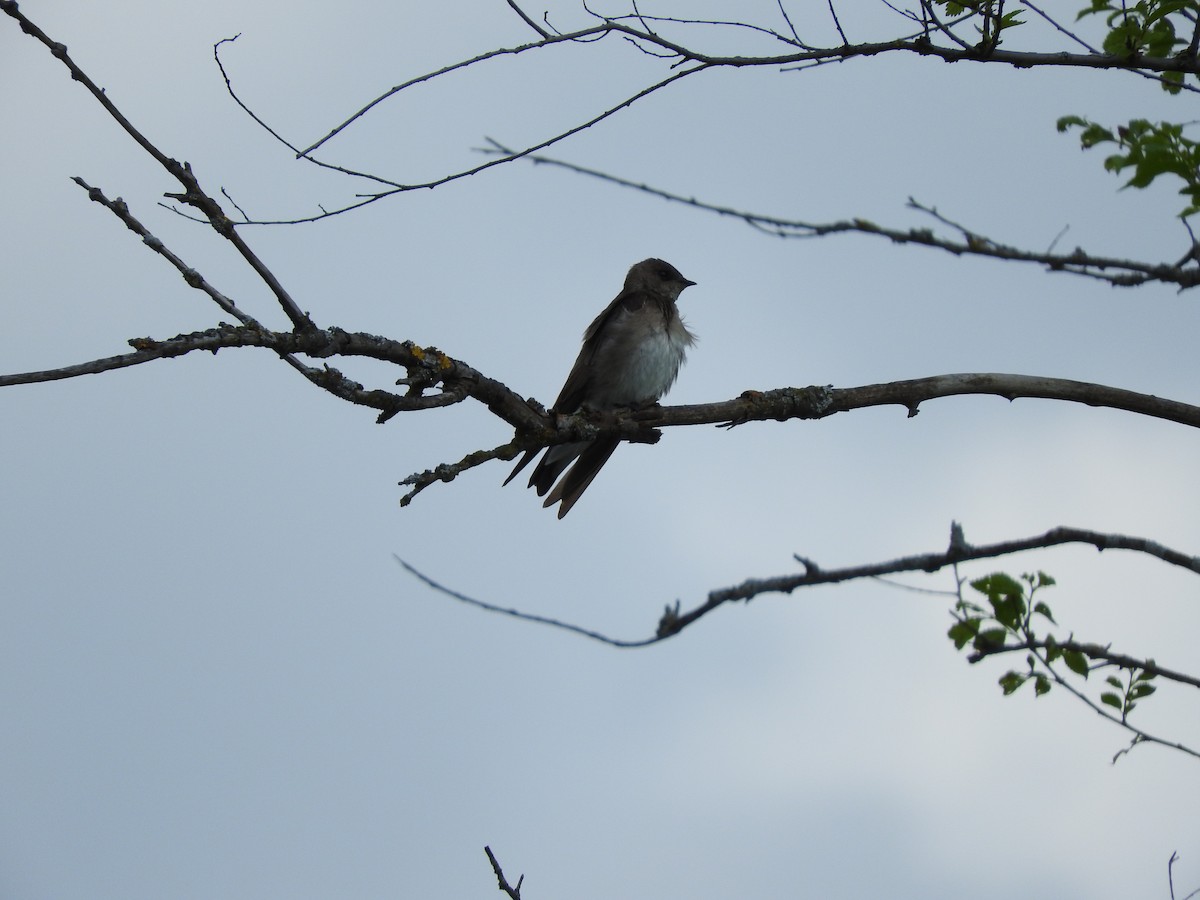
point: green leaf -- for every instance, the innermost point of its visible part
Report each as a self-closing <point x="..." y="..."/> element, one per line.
<point x="1115" y="682"/>
<point x="1116" y="162"/>
<point x="1156" y="160"/>
<point x="990" y="639"/>
<point x="1110" y="699"/>
<point x="1172" y="82"/>
<point x="962" y="632"/>
<point x="1142" y="690"/>
<point x="969" y="607"/>
<point x="1123" y="40"/>
<point x="1164" y="8"/>
<point x="1076" y="662"/>
<point x="1098" y="6"/>
<point x="997" y="584"/>
<point x="1006" y="596"/>
<point x="1009" y="610"/>
<point x="1041" y="685"/>
<point x="1043" y="610"/>
<point x="1010" y="681"/>
<point x="1095" y="134"/>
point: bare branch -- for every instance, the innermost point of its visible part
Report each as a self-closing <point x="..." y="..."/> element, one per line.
<point x="448" y="472"/>
<point x="1117" y="272"/>
<point x="528" y="21"/>
<point x="396" y="187"/>
<point x="427" y="368"/>
<point x="1072" y="35"/>
<point x="673" y="621"/>
<point x="816" y="402"/>
<point x="601" y="30"/>
<point x="92" y="367"/>
<point x="514" y="893"/>
<point x="1171" y="862"/>
<point x="782" y="404"/>
<point x="193" y="278"/>
<point x="837" y="24"/>
<point x="635" y="28"/>
<point x="931" y="16"/>
<point x="793" y="41"/>
<point x="192" y="193"/>
<point x="515" y="613"/>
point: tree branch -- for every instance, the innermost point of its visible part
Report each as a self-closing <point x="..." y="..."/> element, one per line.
<point x="1139" y="736"/>
<point x="193" y="278"/>
<point x="1092" y="651"/>
<point x="635" y="28"/>
<point x="782" y="404"/>
<point x="673" y="621"/>
<point x="513" y="892"/>
<point x="528" y="21"/>
<point x="429" y="368"/>
<point x="1117" y="272"/>
<point x="192" y="194"/>
<point x="394" y="187"/>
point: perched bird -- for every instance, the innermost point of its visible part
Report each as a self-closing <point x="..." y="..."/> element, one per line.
<point x="631" y="354"/>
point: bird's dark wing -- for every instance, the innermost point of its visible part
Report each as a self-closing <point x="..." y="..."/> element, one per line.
<point x="575" y="390"/>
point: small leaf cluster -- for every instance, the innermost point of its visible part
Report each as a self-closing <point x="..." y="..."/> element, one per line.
<point x="1005" y="621"/>
<point x="995" y="19"/>
<point x="1007" y="617"/>
<point x="1134" y="687"/>
<point x="1150" y="149"/>
<point x="1143" y="28"/>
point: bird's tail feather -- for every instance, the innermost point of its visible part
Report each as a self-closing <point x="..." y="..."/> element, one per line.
<point x="524" y="461"/>
<point x="575" y="482"/>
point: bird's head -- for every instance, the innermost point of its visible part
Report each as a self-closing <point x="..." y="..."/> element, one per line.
<point x="658" y="277"/>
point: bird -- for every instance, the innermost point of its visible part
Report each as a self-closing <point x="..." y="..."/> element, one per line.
<point x="630" y="357"/>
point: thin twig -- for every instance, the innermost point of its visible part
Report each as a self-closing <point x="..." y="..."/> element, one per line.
<point x="836" y="23"/>
<point x="1140" y="736"/>
<point x="528" y="21"/>
<point x="515" y="613"/>
<point x="640" y="32"/>
<point x="193" y="278"/>
<point x="394" y="187"/>
<point x="513" y="892"/>
<point x="1066" y="31"/>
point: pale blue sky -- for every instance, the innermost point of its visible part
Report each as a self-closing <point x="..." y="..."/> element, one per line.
<point x="217" y="683"/>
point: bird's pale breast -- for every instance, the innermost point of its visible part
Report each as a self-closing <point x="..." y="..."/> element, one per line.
<point x="643" y="367"/>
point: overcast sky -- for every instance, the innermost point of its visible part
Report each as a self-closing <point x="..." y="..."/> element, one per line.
<point x="216" y="681"/>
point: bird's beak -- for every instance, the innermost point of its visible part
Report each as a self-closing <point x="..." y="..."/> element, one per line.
<point x="687" y="283"/>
